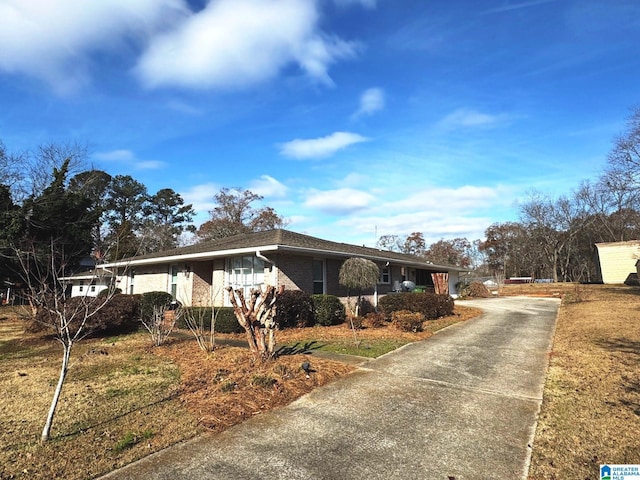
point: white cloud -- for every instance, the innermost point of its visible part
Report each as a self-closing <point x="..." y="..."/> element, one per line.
<point x="236" y="43"/>
<point x="268" y="186"/>
<point x="130" y="159"/>
<point x="339" y="202"/>
<point x="468" y="118"/>
<point x="228" y="44"/>
<point x="371" y="101"/>
<point x="320" y="147"/>
<point x="53" y="40"/>
<point x="448" y="200"/>
<point x="436" y="212"/>
<point x="202" y="198"/>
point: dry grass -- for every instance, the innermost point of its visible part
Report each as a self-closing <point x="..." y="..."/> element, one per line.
<point x="124" y="399"/>
<point x="591" y="408"/>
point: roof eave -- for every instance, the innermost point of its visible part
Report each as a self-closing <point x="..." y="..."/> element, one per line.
<point x="381" y="257"/>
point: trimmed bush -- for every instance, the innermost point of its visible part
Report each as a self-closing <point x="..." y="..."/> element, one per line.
<point x="294" y="308"/>
<point x="430" y="305"/>
<point x="119" y="315"/>
<point x="328" y="310"/>
<point x="105" y="292"/>
<point x="407" y="321"/>
<point x="150" y="300"/>
<point x="375" y="320"/>
<point x="226" y="321"/>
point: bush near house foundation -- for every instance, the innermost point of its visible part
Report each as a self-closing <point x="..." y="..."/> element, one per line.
<point x="119" y="315"/>
<point x="153" y="299"/>
<point x="407" y="321"/>
<point x="430" y="305"/>
<point x="328" y="310"/>
<point x="294" y="309"/>
<point x="226" y="321"/>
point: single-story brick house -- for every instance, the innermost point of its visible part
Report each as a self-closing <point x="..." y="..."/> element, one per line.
<point x="198" y="274"/>
<point x="616" y="262"/>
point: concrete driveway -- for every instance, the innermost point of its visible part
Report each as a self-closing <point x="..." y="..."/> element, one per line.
<point x="462" y="404"/>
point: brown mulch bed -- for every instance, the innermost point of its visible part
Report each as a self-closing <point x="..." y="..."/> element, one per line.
<point x="227" y="386"/>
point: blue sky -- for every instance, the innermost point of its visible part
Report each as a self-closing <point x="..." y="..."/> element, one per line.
<point x="353" y="118"/>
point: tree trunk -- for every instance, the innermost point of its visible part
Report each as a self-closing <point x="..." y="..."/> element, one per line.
<point x="257" y="318"/>
<point x="56" y="395"/>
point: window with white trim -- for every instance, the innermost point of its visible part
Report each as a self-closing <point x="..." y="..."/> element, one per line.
<point x="245" y="272"/>
<point x="318" y="277"/>
<point x="174" y="280"/>
<point x="385" y="274"/>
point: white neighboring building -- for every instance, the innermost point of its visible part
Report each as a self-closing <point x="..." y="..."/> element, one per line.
<point x="616" y="261"/>
<point x="88" y="284"/>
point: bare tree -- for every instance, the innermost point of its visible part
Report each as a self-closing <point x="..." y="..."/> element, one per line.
<point x="414" y="244"/>
<point x="202" y="323"/>
<point x="554" y="225"/>
<point x="257" y="317"/>
<point x="234" y="215"/>
<point x="48" y="296"/>
<point x="625" y="155"/>
<point x="160" y="322"/>
<point x="392" y="243"/>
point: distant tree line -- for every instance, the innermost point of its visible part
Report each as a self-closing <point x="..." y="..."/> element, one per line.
<point x="554" y="237"/>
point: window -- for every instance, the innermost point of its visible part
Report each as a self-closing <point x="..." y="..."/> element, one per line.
<point x="131" y="277"/>
<point x="385" y="274"/>
<point x="318" y="277"/>
<point x="81" y="288"/>
<point x="174" y="281"/>
<point x="246" y="272"/>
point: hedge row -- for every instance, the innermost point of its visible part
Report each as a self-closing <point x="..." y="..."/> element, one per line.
<point x="430" y="305"/>
<point x="296" y="308"/>
<point x="226" y="321"/>
<point x="122" y="313"/>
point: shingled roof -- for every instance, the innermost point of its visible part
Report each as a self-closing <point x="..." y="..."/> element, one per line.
<point x="281" y="240"/>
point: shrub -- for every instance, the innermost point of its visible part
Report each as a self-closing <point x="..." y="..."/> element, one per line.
<point x="407" y="321"/>
<point x="430" y="305"/>
<point x="226" y="321"/>
<point x="366" y="307"/>
<point x="328" y="310"/>
<point x="375" y="320"/>
<point x="106" y="291"/>
<point x="150" y="300"/>
<point x="294" y="308"/>
<point x="119" y="315"/>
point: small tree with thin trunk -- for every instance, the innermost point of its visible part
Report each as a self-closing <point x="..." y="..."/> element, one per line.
<point x="256" y="315"/>
<point x="197" y="319"/>
<point x="70" y="321"/>
<point x="357" y="274"/>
